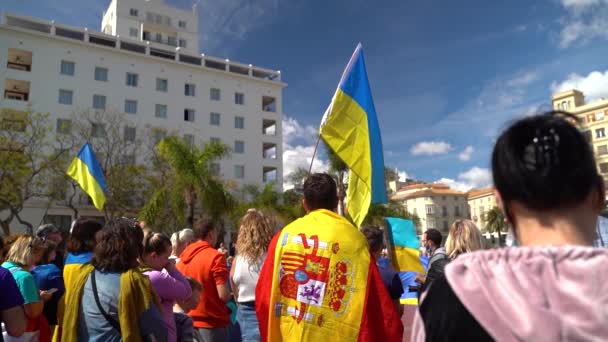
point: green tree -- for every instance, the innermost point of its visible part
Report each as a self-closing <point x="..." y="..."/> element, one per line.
<point x="185" y="182"/>
<point x="297" y="177"/>
<point x="377" y="213"/>
<point x="338" y="169"/>
<point x="28" y="153"/>
<point x="496" y="223"/>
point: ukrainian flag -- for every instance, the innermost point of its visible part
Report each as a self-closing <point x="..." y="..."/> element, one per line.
<point x="86" y="171"/>
<point x="404" y="245"/>
<point x="350" y="129"/>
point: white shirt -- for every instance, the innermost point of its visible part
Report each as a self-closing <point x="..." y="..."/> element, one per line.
<point x="246" y="277"/>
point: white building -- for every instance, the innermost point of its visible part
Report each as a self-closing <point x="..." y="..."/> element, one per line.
<point x="163" y="83"/>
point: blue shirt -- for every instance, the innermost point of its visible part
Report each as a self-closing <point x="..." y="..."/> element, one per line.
<point x="48" y="277"/>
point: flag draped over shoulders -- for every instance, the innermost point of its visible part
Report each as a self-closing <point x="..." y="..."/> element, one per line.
<point x="319" y="282"/>
<point x="350" y="128"/>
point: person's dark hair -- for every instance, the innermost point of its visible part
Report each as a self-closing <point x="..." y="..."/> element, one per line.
<point x="434" y="235"/>
<point x="544" y="162"/>
<point x="49" y="247"/>
<point x="119" y="247"/>
<point x="45" y="230"/>
<point x="374" y="236"/>
<point x="202" y="227"/>
<point x="320" y="192"/>
<point x="158" y="243"/>
<point x="82" y="238"/>
<point x="194" y="284"/>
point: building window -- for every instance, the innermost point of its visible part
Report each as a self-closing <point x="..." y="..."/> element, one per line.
<point x="603" y="149"/>
<point x="189" y="89"/>
<point x="214" y="169"/>
<point x="64" y="126"/>
<point x="269" y="104"/>
<point x="160" y="111"/>
<point x="159" y="135"/>
<point x="133" y="32"/>
<point x="171" y="41"/>
<point x="182" y="43"/>
<point x="214" y="119"/>
<point x="239" y="122"/>
<point x="159" y="37"/>
<point x="430" y="223"/>
<point x="133" y="12"/>
<point x="99" y="102"/>
<point x="101" y="74"/>
<point x="67" y="68"/>
<point x="239" y="146"/>
<point x="444" y="211"/>
<point x="129" y="134"/>
<point x="214" y="94"/>
<point x="182" y="24"/>
<point x="162" y="84"/>
<point x="600" y="133"/>
<point x="131" y="106"/>
<point x="445" y="225"/>
<point x="456" y="211"/>
<point x="604" y="167"/>
<point x="97" y="130"/>
<point x="65" y="96"/>
<point x="239" y="171"/>
<point x="239" y="98"/>
<point x="430" y="209"/>
<point x="189" y="115"/>
<point x="215" y="140"/>
<point x="599" y="116"/>
<point x="60" y="221"/>
<point x="146" y="35"/>
<point x="132" y="79"/>
<point x="189" y="139"/>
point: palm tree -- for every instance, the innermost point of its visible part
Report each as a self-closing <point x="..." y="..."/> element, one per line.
<point x="186" y="182"/>
<point x="496" y="223"/>
<point x="338" y="169"/>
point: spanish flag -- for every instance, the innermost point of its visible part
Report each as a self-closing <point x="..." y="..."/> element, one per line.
<point x="86" y="171"/>
<point x="320" y="283"/>
<point x="403" y="241"/>
<point x="350" y="128"/>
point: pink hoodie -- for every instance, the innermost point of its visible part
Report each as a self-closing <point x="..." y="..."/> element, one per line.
<point x="533" y="293"/>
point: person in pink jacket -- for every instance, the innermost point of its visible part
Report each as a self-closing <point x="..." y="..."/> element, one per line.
<point x="168" y="283"/>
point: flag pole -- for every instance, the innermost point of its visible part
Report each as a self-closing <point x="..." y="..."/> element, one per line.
<point x="314" y="153"/>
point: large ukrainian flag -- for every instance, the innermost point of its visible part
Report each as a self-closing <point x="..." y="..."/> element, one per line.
<point x="403" y="241"/>
<point x="350" y="129"/>
<point x="86" y="171"/>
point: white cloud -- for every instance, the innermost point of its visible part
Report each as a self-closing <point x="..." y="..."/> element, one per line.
<point x="473" y="178"/>
<point x="466" y="153"/>
<point x="402" y="175"/>
<point x="594" y="85"/>
<point x="298" y="147"/>
<point x="523" y="79"/>
<point x="585" y="20"/>
<point x="430" y="148"/>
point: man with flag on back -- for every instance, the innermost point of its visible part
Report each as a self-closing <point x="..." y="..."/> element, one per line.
<point x="319" y="281"/>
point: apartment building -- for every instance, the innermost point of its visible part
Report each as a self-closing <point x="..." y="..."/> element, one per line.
<point x="594" y="122"/>
<point x="146" y="64"/>
<point x="480" y="202"/>
<point x="435" y="204"/>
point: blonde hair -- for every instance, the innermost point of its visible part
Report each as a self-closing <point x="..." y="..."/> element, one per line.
<point x="254" y="236"/>
<point x="464" y="237"/>
<point x="24" y="249"/>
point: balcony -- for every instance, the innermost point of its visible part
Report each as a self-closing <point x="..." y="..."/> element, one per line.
<point x="19" y="60"/>
<point x="269" y="127"/>
<point x="269" y="174"/>
<point x="17" y="90"/>
<point x="269" y="151"/>
<point x="269" y="104"/>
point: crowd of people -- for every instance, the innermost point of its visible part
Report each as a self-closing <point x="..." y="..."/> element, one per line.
<point x="321" y="278"/>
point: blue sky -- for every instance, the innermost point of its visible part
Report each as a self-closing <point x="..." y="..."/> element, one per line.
<point x="446" y="75"/>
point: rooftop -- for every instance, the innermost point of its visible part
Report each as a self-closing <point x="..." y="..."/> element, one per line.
<point x="480" y="192"/>
<point x="105" y="41"/>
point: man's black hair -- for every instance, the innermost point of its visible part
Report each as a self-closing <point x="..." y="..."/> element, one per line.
<point x="544" y="162"/>
<point x="434" y="235"/>
<point x="320" y="192"/>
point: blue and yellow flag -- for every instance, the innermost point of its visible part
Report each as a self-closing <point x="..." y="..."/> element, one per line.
<point x="86" y="171"/>
<point x="350" y="129"/>
<point x="403" y="240"/>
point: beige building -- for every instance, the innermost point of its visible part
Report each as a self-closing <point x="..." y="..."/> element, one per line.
<point x="480" y="202"/>
<point x="594" y="122"/>
<point x="435" y="204"/>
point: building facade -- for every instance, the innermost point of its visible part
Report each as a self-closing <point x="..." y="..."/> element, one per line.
<point x="594" y="122"/>
<point x="164" y="86"/>
<point x="436" y="205"/>
<point x="480" y="202"/>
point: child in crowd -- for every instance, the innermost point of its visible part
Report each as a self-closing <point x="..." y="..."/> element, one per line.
<point x="168" y="283"/>
<point x="183" y="322"/>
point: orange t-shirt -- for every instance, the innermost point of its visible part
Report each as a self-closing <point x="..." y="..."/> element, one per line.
<point x="208" y="266"/>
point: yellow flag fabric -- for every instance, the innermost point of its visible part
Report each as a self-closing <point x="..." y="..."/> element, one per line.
<point x="85" y="170"/>
<point x="350" y="128"/>
<point x="135" y="296"/>
<point x="319" y="280"/>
